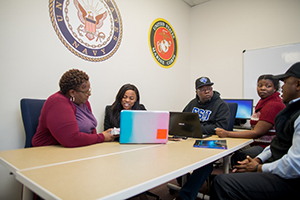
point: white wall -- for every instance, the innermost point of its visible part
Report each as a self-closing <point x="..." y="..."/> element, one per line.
<point x="211" y="38"/>
<point x="33" y="60"/>
<point x="222" y="29"/>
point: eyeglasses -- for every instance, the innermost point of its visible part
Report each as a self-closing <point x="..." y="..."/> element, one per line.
<point x="88" y="93"/>
<point x="205" y="89"/>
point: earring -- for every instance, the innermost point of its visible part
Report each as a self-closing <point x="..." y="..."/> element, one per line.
<point x="72" y="99"/>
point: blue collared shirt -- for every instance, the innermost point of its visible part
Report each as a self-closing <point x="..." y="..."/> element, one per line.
<point x="288" y="166"/>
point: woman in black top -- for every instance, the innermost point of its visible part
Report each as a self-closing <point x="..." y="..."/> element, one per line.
<point x="128" y="98"/>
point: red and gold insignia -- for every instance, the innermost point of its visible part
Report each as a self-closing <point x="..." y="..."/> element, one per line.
<point x="163" y="43"/>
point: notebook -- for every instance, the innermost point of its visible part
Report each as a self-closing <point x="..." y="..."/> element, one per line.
<point x="185" y="124"/>
<point x="140" y="126"/>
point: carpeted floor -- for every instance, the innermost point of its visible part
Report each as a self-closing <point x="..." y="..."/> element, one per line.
<point x="163" y="191"/>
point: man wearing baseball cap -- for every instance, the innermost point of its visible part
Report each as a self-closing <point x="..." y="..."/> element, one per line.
<point x="213" y="112"/>
<point x="275" y="173"/>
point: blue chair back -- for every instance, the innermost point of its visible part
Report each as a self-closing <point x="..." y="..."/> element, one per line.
<point x="232" y="109"/>
<point x="31" y="110"/>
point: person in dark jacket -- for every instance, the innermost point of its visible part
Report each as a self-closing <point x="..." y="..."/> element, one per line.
<point x="213" y="112"/>
<point x="275" y="173"/>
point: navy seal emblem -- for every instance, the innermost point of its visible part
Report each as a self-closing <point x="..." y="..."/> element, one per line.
<point x="90" y="29"/>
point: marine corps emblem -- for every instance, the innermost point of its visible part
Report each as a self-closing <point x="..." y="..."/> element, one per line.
<point x="90" y="29"/>
<point x="163" y="43"/>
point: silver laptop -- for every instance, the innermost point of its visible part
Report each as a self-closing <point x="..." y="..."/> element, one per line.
<point x="184" y="125"/>
<point x="140" y="126"/>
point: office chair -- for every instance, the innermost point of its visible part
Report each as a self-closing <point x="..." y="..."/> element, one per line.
<point x="232" y="109"/>
<point x="31" y="110"/>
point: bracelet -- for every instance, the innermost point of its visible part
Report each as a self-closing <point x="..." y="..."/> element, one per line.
<point x="256" y="167"/>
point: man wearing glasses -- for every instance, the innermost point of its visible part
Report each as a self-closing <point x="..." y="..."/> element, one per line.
<point x="213" y="112"/>
<point x="66" y="117"/>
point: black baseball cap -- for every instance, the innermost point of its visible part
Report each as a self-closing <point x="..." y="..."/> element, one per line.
<point x="294" y="70"/>
<point x="202" y="81"/>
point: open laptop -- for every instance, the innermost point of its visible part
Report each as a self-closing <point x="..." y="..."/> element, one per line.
<point x="140" y="126"/>
<point x="185" y="124"/>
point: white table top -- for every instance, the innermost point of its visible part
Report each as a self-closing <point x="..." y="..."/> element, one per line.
<point x="20" y="159"/>
<point x="109" y="170"/>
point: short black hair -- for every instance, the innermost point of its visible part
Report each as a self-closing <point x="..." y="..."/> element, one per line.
<point x="72" y="79"/>
<point x="270" y="77"/>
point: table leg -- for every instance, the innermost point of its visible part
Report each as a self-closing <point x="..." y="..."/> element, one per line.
<point x="27" y="194"/>
<point x="226" y="164"/>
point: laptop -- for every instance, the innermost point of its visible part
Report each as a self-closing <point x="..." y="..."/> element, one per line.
<point x="185" y="124"/>
<point x="144" y="127"/>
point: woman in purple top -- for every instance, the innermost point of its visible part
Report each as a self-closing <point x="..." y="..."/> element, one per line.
<point x="66" y="117"/>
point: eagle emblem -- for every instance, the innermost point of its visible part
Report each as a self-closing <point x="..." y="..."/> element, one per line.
<point x="92" y="19"/>
<point x="164" y="44"/>
<point x="90" y="29"/>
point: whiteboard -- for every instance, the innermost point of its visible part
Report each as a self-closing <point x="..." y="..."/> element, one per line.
<point x="273" y="60"/>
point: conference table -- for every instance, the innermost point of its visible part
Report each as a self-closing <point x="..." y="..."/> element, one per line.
<point x="109" y="170"/>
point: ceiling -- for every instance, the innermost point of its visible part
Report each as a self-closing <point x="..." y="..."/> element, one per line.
<point x="194" y="2"/>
